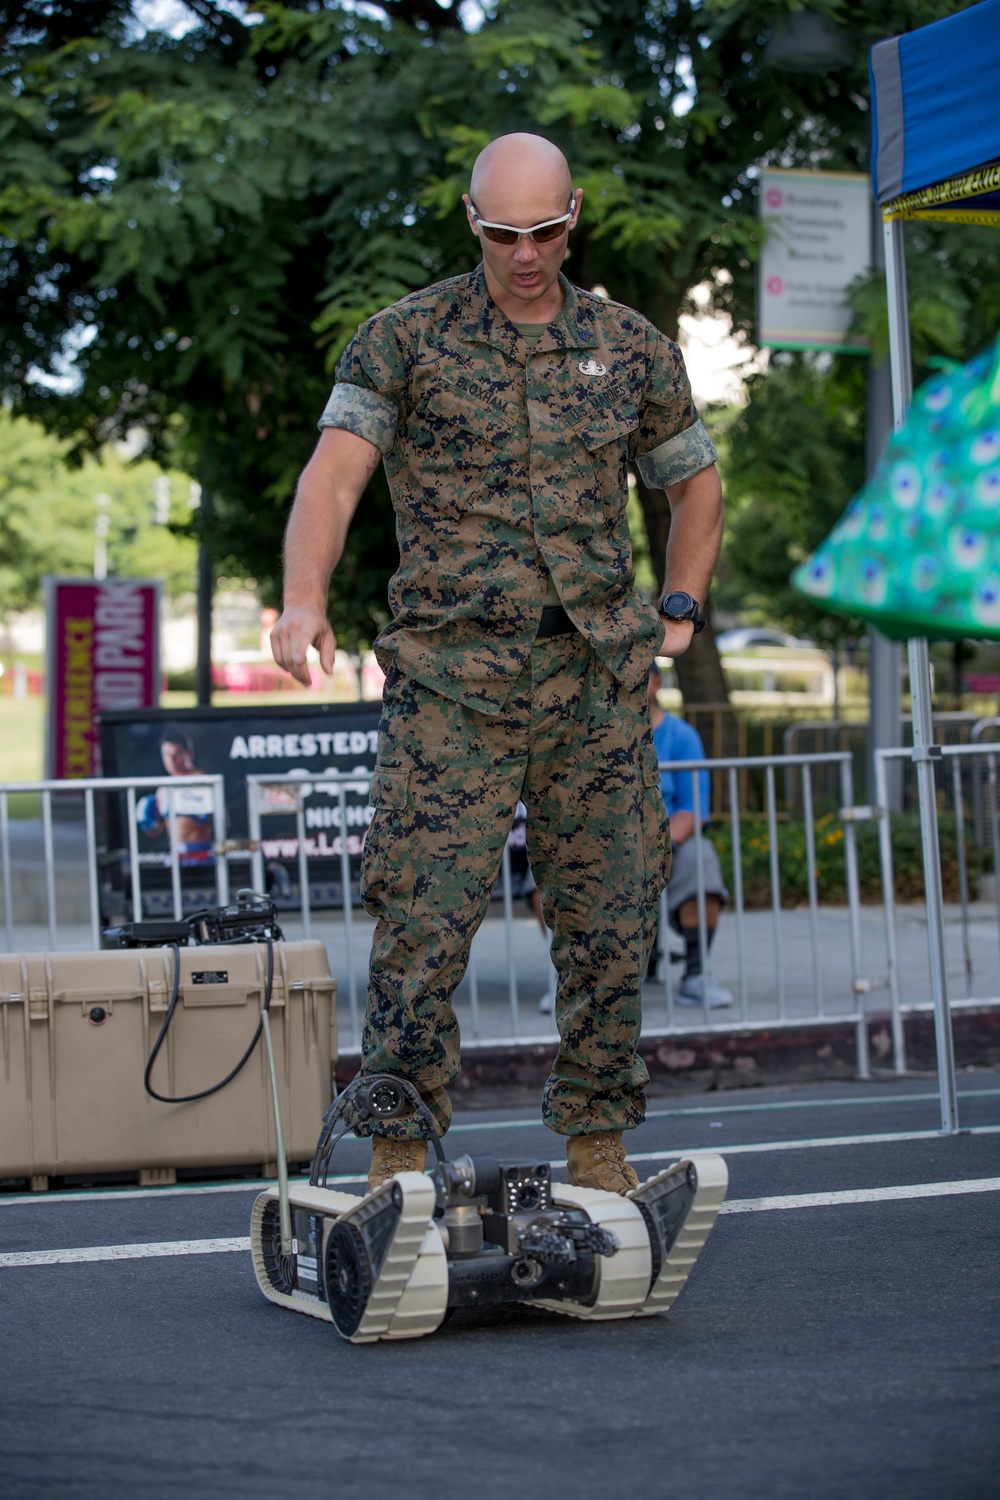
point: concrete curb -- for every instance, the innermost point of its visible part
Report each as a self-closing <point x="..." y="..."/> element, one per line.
<point x="497" y="1073"/>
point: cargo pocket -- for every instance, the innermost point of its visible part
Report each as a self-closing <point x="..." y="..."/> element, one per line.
<point x="386" y="861"/>
<point x="604" y="434"/>
<point x="655" y="829"/>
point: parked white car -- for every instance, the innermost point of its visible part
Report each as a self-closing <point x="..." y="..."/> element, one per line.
<point x="756" y="638"/>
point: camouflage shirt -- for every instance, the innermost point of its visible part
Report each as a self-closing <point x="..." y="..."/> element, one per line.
<point x="506" y="464"/>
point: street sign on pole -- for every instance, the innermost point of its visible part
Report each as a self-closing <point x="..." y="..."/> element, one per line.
<point x="817" y="240"/>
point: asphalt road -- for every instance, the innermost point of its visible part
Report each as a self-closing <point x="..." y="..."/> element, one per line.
<point x="843" y="1349"/>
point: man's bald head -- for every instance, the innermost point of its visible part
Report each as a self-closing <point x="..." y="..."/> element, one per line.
<point x="520" y="174"/>
<point x="522" y="181"/>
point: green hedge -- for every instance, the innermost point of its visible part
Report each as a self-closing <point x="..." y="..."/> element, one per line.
<point x="831" y="879"/>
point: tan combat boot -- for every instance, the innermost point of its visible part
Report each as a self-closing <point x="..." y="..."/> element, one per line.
<point x="598" y="1161"/>
<point x="390" y="1156"/>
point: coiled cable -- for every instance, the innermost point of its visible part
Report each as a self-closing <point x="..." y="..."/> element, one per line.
<point x="204" y="1093"/>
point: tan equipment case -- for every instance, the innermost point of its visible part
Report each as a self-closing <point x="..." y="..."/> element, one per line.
<point x="77" y="1029"/>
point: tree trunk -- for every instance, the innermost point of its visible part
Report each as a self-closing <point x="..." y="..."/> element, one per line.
<point x="699" y="671"/>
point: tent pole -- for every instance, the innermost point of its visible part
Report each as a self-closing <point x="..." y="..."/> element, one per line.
<point x="885" y="657"/>
<point x="925" y="751"/>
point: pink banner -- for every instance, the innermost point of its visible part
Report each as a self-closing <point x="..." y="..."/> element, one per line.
<point x="103" y="653"/>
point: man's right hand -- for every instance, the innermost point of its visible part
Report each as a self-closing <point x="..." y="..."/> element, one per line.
<point x="302" y="626"/>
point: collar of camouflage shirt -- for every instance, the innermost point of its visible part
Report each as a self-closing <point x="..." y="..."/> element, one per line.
<point x="482" y="322"/>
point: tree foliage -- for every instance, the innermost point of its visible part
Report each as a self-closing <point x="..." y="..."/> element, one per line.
<point x="48" y="512"/>
<point x="794" y="457"/>
<point x="191" y="227"/>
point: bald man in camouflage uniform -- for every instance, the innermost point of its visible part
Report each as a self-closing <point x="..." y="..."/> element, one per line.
<point x="506" y="405"/>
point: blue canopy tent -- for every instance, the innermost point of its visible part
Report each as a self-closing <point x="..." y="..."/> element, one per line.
<point x="936" y="155"/>
<point x="936" y="132"/>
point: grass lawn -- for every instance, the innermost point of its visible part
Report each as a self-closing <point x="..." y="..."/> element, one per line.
<point x="22" y="731"/>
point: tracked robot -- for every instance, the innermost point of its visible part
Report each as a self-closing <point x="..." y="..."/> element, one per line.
<point x="473" y="1232"/>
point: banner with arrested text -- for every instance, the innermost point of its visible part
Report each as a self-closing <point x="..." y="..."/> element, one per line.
<point x="315" y="739"/>
<point x="311" y="739"/>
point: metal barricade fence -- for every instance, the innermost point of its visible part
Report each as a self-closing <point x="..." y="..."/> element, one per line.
<point x="951" y="727"/>
<point x="983" y="732"/>
<point x="781" y="999"/>
<point x="787" y="967"/>
<point x="87" y="789"/>
<point x="815" y="1007"/>
<point x="951" y="759"/>
<point x="281" y="796"/>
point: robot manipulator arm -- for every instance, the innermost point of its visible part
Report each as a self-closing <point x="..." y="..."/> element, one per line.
<point x="487" y="1208"/>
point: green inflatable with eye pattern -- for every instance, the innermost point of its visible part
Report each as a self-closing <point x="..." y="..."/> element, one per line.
<point x="917" y="552"/>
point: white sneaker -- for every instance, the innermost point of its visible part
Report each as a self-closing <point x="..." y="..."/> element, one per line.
<point x="692" y="988"/>
<point x="547" y="1003"/>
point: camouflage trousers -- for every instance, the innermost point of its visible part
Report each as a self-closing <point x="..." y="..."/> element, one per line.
<point x="576" y="747"/>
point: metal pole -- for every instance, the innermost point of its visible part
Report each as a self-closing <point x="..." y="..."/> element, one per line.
<point x="885" y="710"/>
<point x="508" y="922"/>
<point x="221" y="857"/>
<point x="258" y="877"/>
<point x="854" y="911"/>
<point x="920" y="695"/>
<point x="305" y="902"/>
<point x="8" y="902"/>
<point x="994" y="834"/>
<point x="668" y="997"/>
<point x="133" y="855"/>
<point x="700" y="894"/>
<point x="175" y="865"/>
<point x="885" y="657"/>
<point x="95" y="907"/>
<point x="284" y="1207"/>
<point x="736" y="844"/>
<point x="772" y="836"/>
<point x="50" y="866"/>
<point x="203" y="666"/>
<point x="807" y="819"/>
<point x="924" y="756"/>
<point x="347" y="904"/>
<point x="900" y="362"/>
<point x="889" y="906"/>
<point x="963" y="869"/>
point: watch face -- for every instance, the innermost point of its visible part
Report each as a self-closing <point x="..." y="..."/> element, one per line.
<point x="679" y="606"/>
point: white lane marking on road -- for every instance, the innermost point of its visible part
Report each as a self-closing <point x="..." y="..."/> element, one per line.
<point x="15" y="1259"/>
<point x="862" y="1195"/>
<point x="888" y="1138"/>
<point x="772" y="1107"/>
<point x="83" y="1195"/>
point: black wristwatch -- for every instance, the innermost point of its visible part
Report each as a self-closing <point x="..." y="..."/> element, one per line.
<point x="679" y="606"/>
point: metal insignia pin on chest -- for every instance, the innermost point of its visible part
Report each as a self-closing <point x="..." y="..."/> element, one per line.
<point x="591" y="367"/>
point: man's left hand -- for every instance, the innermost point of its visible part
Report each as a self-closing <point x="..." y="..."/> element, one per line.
<point x="677" y="637"/>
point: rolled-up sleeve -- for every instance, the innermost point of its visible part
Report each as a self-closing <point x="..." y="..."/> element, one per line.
<point x="370" y="381"/>
<point x="672" y="443"/>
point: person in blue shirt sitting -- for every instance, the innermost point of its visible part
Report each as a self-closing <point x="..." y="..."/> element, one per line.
<point x="676" y="740"/>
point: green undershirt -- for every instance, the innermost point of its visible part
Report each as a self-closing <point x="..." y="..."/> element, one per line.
<point x="531" y="333"/>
